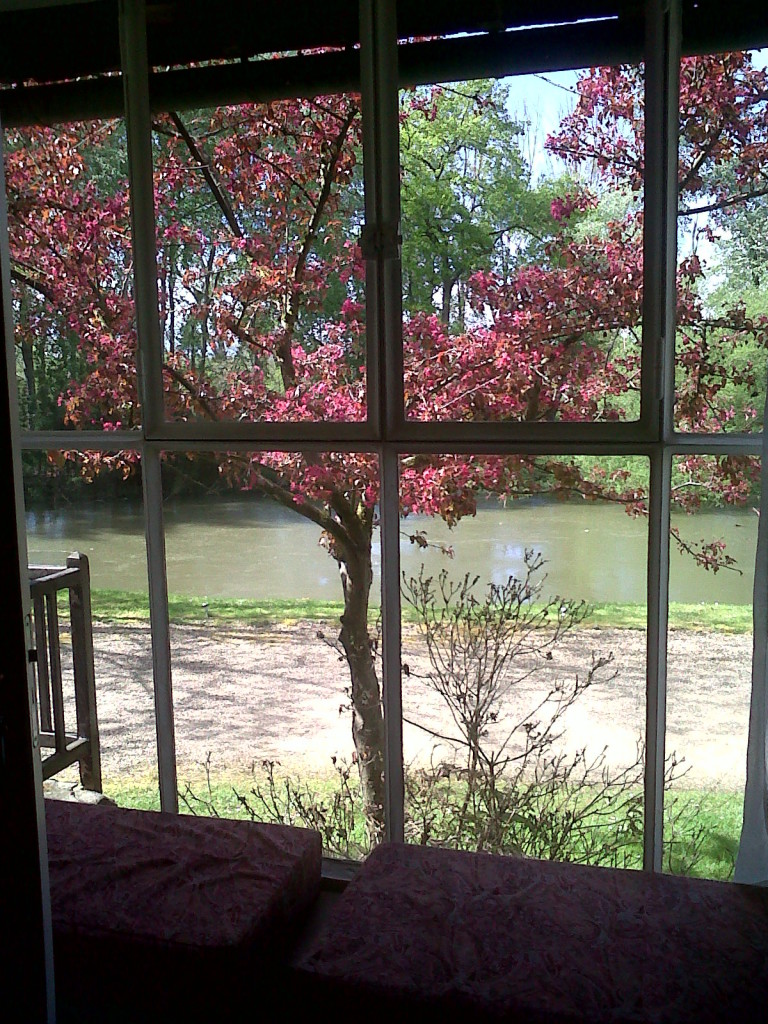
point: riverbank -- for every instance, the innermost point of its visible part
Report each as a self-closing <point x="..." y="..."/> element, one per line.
<point x="131" y="606"/>
<point x="245" y="693"/>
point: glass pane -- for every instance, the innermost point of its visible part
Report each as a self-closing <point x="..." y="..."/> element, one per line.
<point x="275" y="700"/>
<point x="710" y="661"/>
<point x="83" y="502"/>
<point x="259" y="209"/>
<point x="722" y="247"/>
<point x="69" y="232"/>
<point x="524" y="653"/>
<point x="522" y="247"/>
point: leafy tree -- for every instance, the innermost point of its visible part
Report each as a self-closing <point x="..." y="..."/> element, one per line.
<point x="70" y="290"/>
<point x="467" y="199"/>
<point x="256" y="219"/>
<point x="723" y="125"/>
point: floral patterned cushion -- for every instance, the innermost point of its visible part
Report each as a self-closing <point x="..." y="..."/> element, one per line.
<point x="160" y="901"/>
<point x="479" y="937"/>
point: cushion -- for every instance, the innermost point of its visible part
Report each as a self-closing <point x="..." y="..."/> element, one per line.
<point x="157" y="904"/>
<point x="480" y="937"/>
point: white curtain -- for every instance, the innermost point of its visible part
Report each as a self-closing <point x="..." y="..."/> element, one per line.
<point x="752" y="860"/>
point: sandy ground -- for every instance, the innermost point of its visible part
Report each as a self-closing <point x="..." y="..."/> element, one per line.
<point x="247" y="694"/>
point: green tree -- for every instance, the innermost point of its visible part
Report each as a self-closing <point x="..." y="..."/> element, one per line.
<point x="468" y="202"/>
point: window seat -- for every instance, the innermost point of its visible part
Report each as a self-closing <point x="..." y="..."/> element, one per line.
<point x="187" y="916"/>
<point x="158" y="917"/>
<point x="458" y="936"/>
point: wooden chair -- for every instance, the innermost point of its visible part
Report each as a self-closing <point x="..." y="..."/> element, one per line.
<point x="45" y="584"/>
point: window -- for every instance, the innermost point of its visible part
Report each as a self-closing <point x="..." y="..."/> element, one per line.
<point x="557" y="324"/>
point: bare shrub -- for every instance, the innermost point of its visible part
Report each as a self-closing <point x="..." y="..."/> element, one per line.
<point x="507" y="788"/>
<point x="503" y="786"/>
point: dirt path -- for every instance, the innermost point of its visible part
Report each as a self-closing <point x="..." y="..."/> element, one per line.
<point x="246" y="694"/>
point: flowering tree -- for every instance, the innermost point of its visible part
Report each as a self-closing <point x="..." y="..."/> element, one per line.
<point x="71" y="274"/>
<point x="261" y="291"/>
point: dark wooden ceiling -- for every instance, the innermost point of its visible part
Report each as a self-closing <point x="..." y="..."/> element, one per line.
<point x="77" y="40"/>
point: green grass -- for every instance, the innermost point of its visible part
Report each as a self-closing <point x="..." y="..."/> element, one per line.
<point x="704" y="618"/>
<point x="719" y="816"/>
<point x="122" y="606"/>
<point x="139" y="791"/>
<point x="127" y="606"/>
<point x="716" y="814"/>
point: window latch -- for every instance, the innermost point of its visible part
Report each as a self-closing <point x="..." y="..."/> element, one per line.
<point x="380" y="241"/>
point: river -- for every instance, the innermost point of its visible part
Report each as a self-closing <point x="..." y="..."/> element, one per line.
<point x="248" y="547"/>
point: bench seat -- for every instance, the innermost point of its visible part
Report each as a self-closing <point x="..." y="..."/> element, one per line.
<point x="173" y="913"/>
<point x="450" y="936"/>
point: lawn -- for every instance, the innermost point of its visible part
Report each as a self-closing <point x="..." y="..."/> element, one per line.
<point x="120" y="605"/>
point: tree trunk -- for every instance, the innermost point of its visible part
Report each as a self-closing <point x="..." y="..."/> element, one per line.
<point x="205" y="332"/>
<point x="445" y="307"/>
<point x="367" y="715"/>
<point x="42" y="388"/>
<point x="28" y="362"/>
<point x="29" y="377"/>
<point x="171" y="300"/>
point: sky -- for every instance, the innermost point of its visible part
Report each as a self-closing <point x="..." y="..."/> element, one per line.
<point x="542" y="100"/>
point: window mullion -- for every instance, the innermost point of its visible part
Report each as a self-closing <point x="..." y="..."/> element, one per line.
<point x="378" y="72"/>
<point x="152" y="489"/>
<point x="391" y="644"/>
<point x="659" y="303"/>
<point x="371" y="178"/>
<point x="382" y="210"/>
<point x="133" y="44"/>
<point x="138" y="127"/>
<point x="656" y="670"/>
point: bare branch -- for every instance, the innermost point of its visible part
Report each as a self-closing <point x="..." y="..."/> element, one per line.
<point x="204" y="164"/>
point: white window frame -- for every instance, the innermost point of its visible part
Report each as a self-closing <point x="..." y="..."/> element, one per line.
<point x="386" y="431"/>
